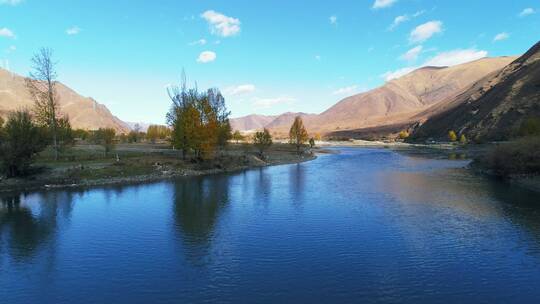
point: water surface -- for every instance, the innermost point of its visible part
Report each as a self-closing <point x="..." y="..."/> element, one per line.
<point x="365" y="225"/>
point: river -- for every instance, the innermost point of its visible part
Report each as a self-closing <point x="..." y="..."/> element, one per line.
<point x="359" y="226"/>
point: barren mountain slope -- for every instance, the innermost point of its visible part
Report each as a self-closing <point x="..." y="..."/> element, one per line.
<point x="251" y="122"/>
<point x="83" y="112"/>
<point x="401" y="99"/>
<point x="494" y="108"/>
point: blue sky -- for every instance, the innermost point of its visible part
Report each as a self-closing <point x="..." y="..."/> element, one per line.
<point x="267" y="57"/>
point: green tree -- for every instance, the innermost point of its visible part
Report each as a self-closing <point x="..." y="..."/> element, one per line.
<point x="81" y="134"/>
<point x="105" y="137"/>
<point x="298" y="134"/>
<point x="312" y="142"/>
<point x="21" y="141"/>
<point x="452" y="135"/>
<point x="262" y="141"/>
<point x="237" y="136"/>
<point x="41" y="85"/>
<point x="66" y="136"/>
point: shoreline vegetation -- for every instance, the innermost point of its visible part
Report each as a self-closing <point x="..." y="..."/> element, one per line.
<point x="85" y="165"/>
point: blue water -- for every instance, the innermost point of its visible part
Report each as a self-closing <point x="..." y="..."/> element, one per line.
<point x="361" y="226"/>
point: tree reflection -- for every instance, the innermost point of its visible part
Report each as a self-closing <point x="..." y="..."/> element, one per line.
<point x="198" y="202"/>
<point x="297" y="183"/>
<point x="23" y="230"/>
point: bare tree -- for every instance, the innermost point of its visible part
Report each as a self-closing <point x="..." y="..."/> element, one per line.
<point x="41" y="84"/>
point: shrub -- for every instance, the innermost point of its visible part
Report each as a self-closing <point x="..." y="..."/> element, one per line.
<point x="20" y="141"/>
<point x="530" y="127"/>
<point x="517" y="157"/>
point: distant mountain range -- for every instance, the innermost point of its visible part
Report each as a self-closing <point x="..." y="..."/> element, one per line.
<point x="391" y="107"/>
<point x="484" y="99"/>
<point x="83" y="112"/>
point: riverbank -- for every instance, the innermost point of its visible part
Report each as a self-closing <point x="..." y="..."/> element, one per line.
<point x="86" y="166"/>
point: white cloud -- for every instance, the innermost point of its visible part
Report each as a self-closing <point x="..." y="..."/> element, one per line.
<point x="404" y="18"/>
<point x="333" y="20"/>
<point x="220" y="24"/>
<point x="5" y="32"/>
<point x="269" y="102"/>
<point x="74" y="30"/>
<point x="443" y="59"/>
<point x="240" y="90"/>
<point x="398" y="73"/>
<point x="11" y="2"/>
<point x="501" y="36"/>
<point x="198" y="42"/>
<point x="11" y="49"/>
<point x="455" y="57"/>
<point x="412" y="54"/>
<point x="526" y="12"/>
<point x="383" y="3"/>
<point x="349" y="90"/>
<point x="318" y="57"/>
<point x="399" y="20"/>
<point x="425" y="31"/>
<point x="206" y="56"/>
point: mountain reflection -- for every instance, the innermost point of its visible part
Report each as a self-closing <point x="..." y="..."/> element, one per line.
<point x="198" y="203"/>
<point x="486" y="199"/>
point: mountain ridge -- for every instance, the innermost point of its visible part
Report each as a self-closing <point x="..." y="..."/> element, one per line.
<point x="83" y="112"/>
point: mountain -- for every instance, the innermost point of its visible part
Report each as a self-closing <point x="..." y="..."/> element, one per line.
<point x="251" y="122"/>
<point x="402" y="98"/>
<point x="398" y="102"/>
<point x="83" y="112"/>
<point x="279" y="124"/>
<point x="495" y="107"/>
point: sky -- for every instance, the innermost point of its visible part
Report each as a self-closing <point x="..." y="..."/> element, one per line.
<point x="267" y="57"/>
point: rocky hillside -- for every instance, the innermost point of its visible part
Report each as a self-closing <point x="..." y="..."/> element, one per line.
<point x="495" y="107"/>
<point x="83" y="112"/>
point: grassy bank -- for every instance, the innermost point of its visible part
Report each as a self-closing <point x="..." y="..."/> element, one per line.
<point x="87" y="165"/>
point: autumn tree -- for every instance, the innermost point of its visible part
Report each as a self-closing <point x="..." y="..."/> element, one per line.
<point x="262" y="140"/>
<point x="156" y="132"/>
<point x="452" y="135"/>
<point x="463" y="139"/>
<point x="199" y="120"/>
<point x="41" y="85"/>
<point x="298" y="134"/>
<point x="219" y="109"/>
<point x="403" y="134"/>
<point x="20" y="141"/>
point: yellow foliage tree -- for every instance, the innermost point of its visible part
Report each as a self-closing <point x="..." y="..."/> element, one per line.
<point x="403" y="134"/>
<point x="298" y="134"/>
<point x="452" y="136"/>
